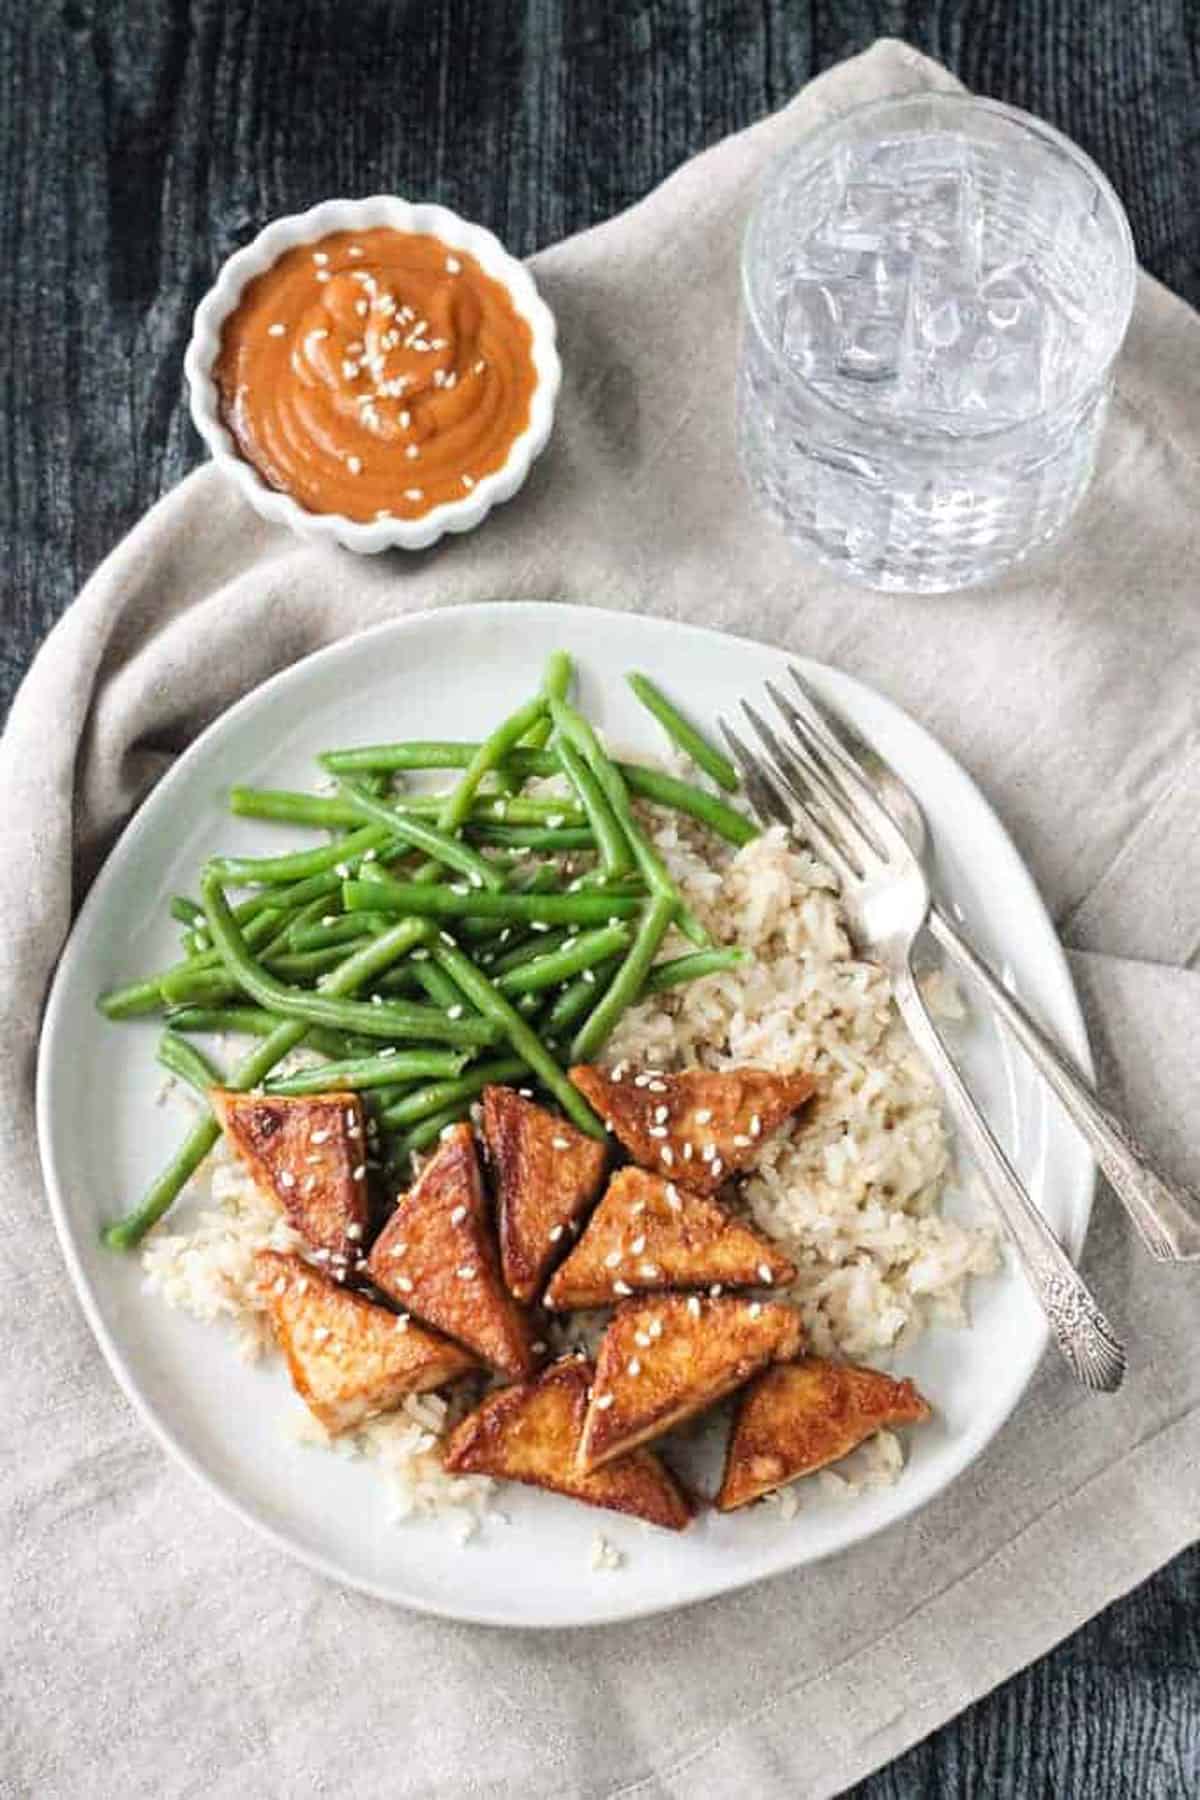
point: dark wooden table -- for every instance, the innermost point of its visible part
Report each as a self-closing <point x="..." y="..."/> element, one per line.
<point x="142" y="140"/>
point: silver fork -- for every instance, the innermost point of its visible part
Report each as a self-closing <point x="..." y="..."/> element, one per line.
<point x="1166" y="1214"/>
<point x="817" y="792"/>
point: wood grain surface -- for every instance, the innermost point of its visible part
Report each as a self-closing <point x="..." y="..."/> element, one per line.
<point x="142" y="140"/>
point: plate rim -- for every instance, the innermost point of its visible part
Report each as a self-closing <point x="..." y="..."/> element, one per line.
<point x="1057" y="965"/>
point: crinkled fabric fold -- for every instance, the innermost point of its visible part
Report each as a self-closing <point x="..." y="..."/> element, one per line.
<point x="147" y="1633"/>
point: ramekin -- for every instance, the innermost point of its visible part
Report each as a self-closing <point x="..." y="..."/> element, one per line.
<point x="368" y="538"/>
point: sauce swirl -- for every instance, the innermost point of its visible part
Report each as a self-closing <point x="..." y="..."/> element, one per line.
<point x="375" y="374"/>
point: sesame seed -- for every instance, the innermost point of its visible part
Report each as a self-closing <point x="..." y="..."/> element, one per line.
<point x="704" y="1115"/>
<point x="650" y="1271"/>
<point x="661" y="1113"/>
<point x="320" y="256"/>
<point x="354" y="464"/>
<point x="742" y="1142"/>
<point x="560" y="1143"/>
<point x="673" y="1200"/>
<point x="708" y="1153"/>
<point x="322" y="274"/>
<point x="688" y="1152"/>
<point x="667" y="1154"/>
<point x="402" y="1322"/>
<point x="764" y="1270"/>
<point x="538" y="1346"/>
<point x="354" y="250"/>
<point x="479" y="367"/>
<point x="406" y="419"/>
<point x="468" y="482"/>
<point x="446" y="938"/>
<point x="714" y="1291"/>
<point x="755" y="1125"/>
<point x="642" y="1338"/>
<point x="603" y="1402"/>
<point x="589" y="976"/>
<point x="308" y="1184"/>
<point x="467" y="1272"/>
<point x="276" y="330"/>
<point x="357" y="1174"/>
<point x="641" y="1081"/>
<point x="412" y="452"/>
<point x="362" y="308"/>
<point x="638" y="1207"/>
<point x="633" y="1366"/>
<point x="354" y="1232"/>
<point x="320" y="1334"/>
<point x="454" y="1012"/>
<point x="404" y="1284"/>
<point x="694" y="1307"/>
<point x="556" y="1232"/>
<point x="388" y="1050"/>
<point x="399" y="1250"/>
<point x="414" y="493"/>
<point x="756" y="1310"/>
<point x="717" y="1165"/>
<point x="638" y="1245"/>
<point x="658" y="1131"/>
<point x="453" y="266"/>
<point x="384" y="512"/>
<point x="303" y="1285"/>
<point x="280" y="1286"/>
<point x="622" y="1288"/>
<point x="652" y="1087"/>
<point x="613" y="1259"/>
<point x="286" y="1178"/>
<point x="317" y="1137"/>
<point x="320" y="1256"/>
<point x="655" y="1328"/>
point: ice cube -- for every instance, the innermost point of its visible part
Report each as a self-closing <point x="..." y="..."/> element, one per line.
<point x="810" y="326"/>
<point x="874" y="313"/>
<point x="980" y="351"/>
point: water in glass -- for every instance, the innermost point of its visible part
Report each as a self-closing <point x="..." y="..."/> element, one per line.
<point x="935" y="290"/>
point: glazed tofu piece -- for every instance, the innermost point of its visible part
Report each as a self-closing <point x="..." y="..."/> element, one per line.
<point x="663" y="1360"/>
<point x="437" y="1258"/>
<point x="696" y="1127"/>
<point x="545" y="1174"/>
<point x="649" y="1233"/>
<point x="799" y="1417"/>
<point x="531" y="1434"/>
<point x="349" y="1358"/>
<point x="309" y="1154"/>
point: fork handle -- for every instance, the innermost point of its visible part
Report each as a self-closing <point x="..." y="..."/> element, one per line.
<point x="1083" y="1334"/>
<point x="1166" y="1213"/>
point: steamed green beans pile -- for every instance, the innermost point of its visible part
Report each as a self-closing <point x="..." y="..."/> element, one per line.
<point x="436" y="942"/>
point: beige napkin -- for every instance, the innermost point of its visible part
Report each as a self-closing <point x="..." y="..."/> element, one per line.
<point x="151" y="1641"/>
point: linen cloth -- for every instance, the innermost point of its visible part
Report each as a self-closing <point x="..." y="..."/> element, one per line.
<point x="147" y="1633"/>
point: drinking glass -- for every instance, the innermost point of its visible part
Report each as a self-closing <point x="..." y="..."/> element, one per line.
<point x="934" y="289"/>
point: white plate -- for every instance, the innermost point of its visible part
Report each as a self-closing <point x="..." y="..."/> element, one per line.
<point x="449" y="674"/>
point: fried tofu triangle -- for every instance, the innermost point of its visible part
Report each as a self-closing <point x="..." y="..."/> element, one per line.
<point x="663" y="1360"/>
<point x="800" y="1416"/>
<point x="437" y="1257"/>
<point x="648" y="1233"/>
<point x="348" y="1358"/>
<point x="531" y="1434"/>
<point x="697" y="1127"/>
<point x="310" y="1154"/>
<point x="546" y="1174"/>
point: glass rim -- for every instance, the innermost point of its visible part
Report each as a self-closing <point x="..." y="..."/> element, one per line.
<point x="920" y="437"/>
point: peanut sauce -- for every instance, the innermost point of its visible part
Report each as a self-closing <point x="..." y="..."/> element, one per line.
<point x="375" y="374"/>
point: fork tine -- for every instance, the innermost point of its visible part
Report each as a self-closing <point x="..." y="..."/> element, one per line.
<point x="840" y="732"/>
<point x="821" y="775"/>
<point x="825" y="838"/>
<point x="761" y="794"/>
<point x="841" y="764"/>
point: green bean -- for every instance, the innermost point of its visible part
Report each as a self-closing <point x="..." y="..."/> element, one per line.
<point x="626" y="984"/>
<point x="611" y="841"/>
<point x="537" y="944"/>
<point x="490" y="755"/>
<point x="343" y="929"/>
<point x="681" y="796"/>
<point x="428" y="1131"/>
<point x="385" y="895"/>
<point x="186" y="911"/>
<point x="387" y="1019"/>
<point x="495" y="1006"/>
<point x="191" y="1065"/>
<point x="247" y="871"/>
<point x="437" y="984"/>
<point x="556" y="680"/>
<point x="692" y="742"/>
<point x="319" y="810"/>
<point x="431" y="841"/>
<point x="650" y="784"/>
<point x="191" y="986"/>
<point x="432" y="1099"/>
<point x="381" y="1070"/>
<point x="575" y="728"/>
<point x="533" y="837"/>
<point x="302" y="965"/>
<point x="253" y="1021"/>
<point x="126" y="1233"/>
<point x="552" y="970"/>
<point x="579" y="997"/>
<point x="690" y="968"/>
